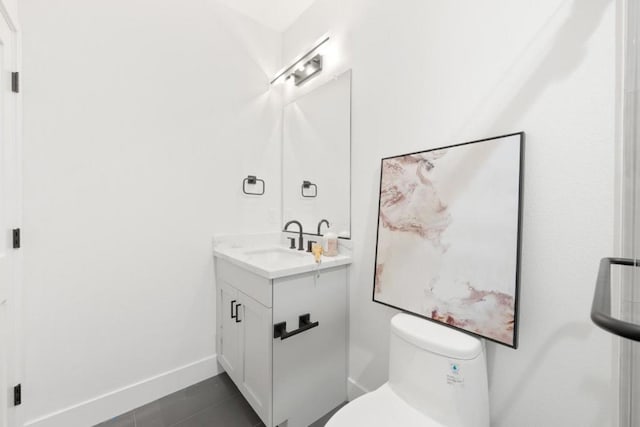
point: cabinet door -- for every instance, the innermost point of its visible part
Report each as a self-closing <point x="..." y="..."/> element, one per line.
<point x="310" y="368"/>
<point x="256" y="346"/>
<point x="230" y="352"/>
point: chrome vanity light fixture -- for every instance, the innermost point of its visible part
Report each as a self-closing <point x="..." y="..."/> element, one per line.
<point x="304" y="66"/>
<point x="308" y="70"/>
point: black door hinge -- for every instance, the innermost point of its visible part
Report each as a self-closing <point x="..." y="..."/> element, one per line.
<point x="17" y="395"/>
<point x="16" y="238"/>
<point x="15" y="82"/>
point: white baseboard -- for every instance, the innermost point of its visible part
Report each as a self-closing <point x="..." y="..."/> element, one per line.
<point x="114" y="403"/>
<point x="355" y="389"/>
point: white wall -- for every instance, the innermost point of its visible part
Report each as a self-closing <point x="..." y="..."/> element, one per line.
<point x="429" y="73"/>
<point x="11" y="7"/>
<point x="140" y="120"/>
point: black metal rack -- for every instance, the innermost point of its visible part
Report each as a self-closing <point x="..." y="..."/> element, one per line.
<point x="304" y="324"/>
<point x="601" y="307"/>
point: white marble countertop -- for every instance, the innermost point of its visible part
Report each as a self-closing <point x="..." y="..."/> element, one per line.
<point x="267" y="256"/>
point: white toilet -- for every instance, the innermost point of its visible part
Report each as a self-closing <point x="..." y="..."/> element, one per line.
<point x="437" y="378"/>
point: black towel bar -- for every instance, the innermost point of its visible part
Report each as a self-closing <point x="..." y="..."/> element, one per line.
<point x="601" y="306"/>
<point x="304" y="324"/>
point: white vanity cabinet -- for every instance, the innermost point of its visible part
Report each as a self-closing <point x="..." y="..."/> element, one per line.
<point x="283" y="341"/>
<point x="229" y="352"/>
<point x="244" y="341"/>
<point x="310" y="368"/>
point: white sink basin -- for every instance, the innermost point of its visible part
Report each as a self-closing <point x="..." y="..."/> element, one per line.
<point x="276" y="255"/>
<point x="273" y="261"/>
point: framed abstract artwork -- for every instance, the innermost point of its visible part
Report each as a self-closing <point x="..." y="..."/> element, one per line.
<point x="448" y="239"/>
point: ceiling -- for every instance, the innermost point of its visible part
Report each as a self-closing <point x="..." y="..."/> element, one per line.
<point x="275" y="14"/>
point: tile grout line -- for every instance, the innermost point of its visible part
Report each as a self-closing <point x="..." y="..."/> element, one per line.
<point x="208" y="407"/>
<point x="215" y="404"/>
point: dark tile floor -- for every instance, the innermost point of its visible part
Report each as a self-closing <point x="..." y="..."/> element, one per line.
<point x="215" y="402"/>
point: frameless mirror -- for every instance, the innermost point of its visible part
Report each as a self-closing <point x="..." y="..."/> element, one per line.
<point x="316" y="159"/>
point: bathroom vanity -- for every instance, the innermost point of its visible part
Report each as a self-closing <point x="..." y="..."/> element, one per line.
<point x="282" y="329"/>
<point x="281" y="318"/>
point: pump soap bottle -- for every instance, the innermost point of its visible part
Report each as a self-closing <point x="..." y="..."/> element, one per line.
<point x="330" y="243"/>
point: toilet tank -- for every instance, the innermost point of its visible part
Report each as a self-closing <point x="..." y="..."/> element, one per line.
<point x="439" y="371"/>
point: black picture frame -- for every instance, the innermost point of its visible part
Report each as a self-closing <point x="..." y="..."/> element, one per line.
<point x="518" y="249"/>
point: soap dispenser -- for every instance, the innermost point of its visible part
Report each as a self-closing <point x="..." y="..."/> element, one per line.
<point x="330" y="243"/>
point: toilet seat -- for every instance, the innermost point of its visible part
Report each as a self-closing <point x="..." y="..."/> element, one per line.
<point x="380" y="408"/>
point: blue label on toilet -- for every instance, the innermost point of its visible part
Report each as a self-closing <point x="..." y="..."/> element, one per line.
<point x="454" y="376"/>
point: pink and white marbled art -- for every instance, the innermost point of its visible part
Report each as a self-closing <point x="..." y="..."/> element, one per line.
<point x="448" y="235"/>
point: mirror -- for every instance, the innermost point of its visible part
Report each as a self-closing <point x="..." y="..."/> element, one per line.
<point x="316" y="158"/>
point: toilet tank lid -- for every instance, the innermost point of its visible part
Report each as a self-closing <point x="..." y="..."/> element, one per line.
<point x="435" y="338"/>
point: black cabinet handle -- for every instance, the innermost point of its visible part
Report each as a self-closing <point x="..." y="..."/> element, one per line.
<point x="232" y="316"/>
<point x="237" y="317"/>
<point x="304" y="324"/>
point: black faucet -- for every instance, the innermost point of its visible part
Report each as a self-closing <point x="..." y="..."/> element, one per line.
<point x="322" y="221"/>
<point x="300" y="239"/>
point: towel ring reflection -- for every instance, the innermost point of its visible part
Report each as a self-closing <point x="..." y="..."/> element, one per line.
<point x="307" y="185"/>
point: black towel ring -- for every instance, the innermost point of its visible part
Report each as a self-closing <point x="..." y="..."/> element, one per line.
<point x="252" y="180"/>
<point x="307" y="185"/>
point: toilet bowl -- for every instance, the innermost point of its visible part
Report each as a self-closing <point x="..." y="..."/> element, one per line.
<point x="437" y="378"/>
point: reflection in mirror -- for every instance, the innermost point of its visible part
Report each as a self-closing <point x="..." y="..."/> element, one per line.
<point x="316" y="159"/>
